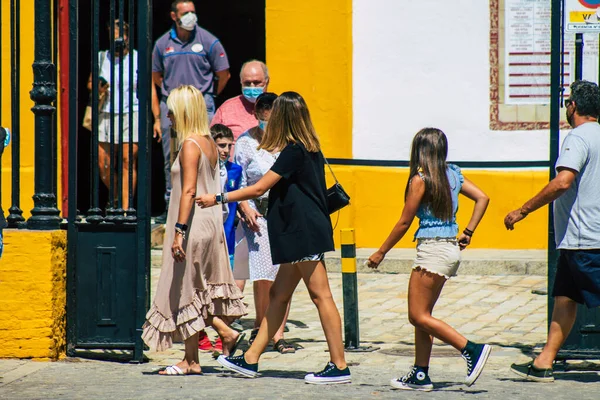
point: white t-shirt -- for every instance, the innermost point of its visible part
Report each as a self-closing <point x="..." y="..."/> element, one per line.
<point x="114" y="92"/>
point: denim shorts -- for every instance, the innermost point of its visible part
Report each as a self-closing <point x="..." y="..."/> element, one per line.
<point x="578" y="276"/>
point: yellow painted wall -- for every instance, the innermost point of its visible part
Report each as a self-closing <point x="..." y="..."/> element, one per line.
<point x="309" y="50"/>
<point x="27" y="130"/>
<point x="377" y="198"/>
<point x="33" y="301"/>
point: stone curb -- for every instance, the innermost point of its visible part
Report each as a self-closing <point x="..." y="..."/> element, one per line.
<point x="475" y="262"/>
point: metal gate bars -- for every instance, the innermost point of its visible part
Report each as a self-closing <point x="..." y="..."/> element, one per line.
<point x="109" y="252"/>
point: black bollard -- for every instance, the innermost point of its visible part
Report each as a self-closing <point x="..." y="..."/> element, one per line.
<point x="350" y="291"/>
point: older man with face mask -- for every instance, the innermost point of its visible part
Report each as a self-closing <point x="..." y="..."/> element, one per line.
<point x="238" y="113"/>
<point x="185" y="55"/>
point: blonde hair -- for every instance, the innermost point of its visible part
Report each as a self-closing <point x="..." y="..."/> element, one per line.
<point x="290" y="123"/>
<point x="187" y="105"/>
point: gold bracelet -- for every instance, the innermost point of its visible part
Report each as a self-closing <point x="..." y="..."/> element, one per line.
<point x="181" y="232"/>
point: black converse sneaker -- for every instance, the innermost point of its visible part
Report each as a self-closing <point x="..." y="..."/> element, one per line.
<point x="331" y="374"/>
<point x="476" y="356"/>
<point x="238" y="364"/>
<point x="416" y="379"/>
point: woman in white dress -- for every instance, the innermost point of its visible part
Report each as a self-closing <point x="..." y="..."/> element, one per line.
<point x="255" y="163"/>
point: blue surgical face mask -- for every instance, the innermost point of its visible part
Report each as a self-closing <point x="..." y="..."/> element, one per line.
<point x="251" y="93"/>
<point x="262" y="124"/>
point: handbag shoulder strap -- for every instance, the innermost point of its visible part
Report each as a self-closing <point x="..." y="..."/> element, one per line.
<point x="330" y="169"/>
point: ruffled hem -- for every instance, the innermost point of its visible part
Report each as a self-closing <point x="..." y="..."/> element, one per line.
<point x="160" y="331"/>
<point x="431" y="271"/>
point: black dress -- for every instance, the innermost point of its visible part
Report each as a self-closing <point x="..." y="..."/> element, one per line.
<point x="299" y="224"/>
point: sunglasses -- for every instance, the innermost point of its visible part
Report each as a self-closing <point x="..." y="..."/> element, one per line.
<point x="225" y="145"/>
<point x="568" y="102"/>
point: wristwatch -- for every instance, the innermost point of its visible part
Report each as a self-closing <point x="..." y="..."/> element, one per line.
<point x="219" y="198"/>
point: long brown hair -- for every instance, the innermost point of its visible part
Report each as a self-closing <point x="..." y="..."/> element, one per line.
<point x="428" y="155"/>
<point x="290" y="122"/>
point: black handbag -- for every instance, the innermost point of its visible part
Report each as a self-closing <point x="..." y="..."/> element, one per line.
<point x="337" y="198"/>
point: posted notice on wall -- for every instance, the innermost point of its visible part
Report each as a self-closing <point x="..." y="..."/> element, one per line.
<point x="527" y="52"/>
<point x="528" y="48"/>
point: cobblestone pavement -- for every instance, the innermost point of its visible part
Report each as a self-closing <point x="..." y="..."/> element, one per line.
<point x="500" y="310"/>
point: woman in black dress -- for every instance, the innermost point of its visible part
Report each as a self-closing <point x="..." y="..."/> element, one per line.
<point x="299" y="232"/>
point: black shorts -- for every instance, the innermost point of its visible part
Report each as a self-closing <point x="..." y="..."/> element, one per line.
<point x="578" y="276"/>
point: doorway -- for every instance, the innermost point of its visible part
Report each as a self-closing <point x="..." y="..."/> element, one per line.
<point x="239" y="25"/>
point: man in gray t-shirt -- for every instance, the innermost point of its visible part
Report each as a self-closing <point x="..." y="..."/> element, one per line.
<point x="576" y="195"/>
<point x="185" y="55"/>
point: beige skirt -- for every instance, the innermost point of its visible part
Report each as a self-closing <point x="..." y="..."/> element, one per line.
<point x="438" y="256"/>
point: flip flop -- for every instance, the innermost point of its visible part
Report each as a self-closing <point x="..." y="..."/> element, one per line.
<point x="174" y="370"/>
<point x="239" y="339"/>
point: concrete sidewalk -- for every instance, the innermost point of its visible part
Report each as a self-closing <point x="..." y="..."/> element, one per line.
<point x="497" y="309"/>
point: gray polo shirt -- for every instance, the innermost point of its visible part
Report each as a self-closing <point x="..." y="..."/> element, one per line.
<point x="577" y="211"/>
<point x="191" y="63"/>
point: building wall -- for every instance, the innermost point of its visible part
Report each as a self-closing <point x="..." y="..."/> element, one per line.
<point x="26" y="119"/>
<point x="309" y="50"/>
<point x="33" y="287"/>
<point x="410" y="65"/>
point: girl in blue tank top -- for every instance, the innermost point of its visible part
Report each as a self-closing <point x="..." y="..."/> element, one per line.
<point x="432" y="196"/>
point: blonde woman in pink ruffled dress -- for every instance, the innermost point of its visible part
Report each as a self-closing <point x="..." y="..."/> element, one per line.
<point x="196" y="287"/>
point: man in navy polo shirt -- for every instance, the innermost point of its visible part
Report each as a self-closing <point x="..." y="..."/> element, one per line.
<point x="185" y="55"/>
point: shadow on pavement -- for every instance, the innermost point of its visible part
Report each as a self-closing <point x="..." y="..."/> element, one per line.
<point x="583" y="377"/>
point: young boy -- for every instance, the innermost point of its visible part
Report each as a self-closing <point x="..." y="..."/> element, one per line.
<point x="4" y="140"/>
<point x="231" y="178"/>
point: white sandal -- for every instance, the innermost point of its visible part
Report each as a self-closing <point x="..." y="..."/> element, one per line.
<point x="173" y="370"/>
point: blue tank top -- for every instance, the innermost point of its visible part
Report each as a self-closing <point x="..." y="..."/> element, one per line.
<point x="432" y="227"/>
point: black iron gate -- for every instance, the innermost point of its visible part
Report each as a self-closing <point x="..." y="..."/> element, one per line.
<point x="109" y="245"/>
<point x="584" y="339"/>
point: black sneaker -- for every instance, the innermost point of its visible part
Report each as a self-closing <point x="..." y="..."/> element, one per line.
<point x="530" y="372"/>
<point x="238" y="364"/>
<point x="416" y="379"/>
<point x="476" y="356"/>
<point x="331" y="374"/>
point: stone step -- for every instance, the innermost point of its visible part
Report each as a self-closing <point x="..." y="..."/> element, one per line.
<point x="474" y="261"/>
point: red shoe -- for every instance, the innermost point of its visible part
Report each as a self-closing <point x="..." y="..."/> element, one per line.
<point x="218" y="345"/>
<point x="204" y="342"/>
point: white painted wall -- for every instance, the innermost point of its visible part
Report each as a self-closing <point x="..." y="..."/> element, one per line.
<point x="424" y="63"/>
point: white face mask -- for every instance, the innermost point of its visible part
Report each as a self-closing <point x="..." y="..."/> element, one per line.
<point x="188" y="21"/>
